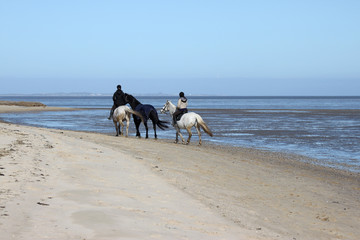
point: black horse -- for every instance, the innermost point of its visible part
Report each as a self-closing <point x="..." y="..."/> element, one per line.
<point x="147" y="111"/>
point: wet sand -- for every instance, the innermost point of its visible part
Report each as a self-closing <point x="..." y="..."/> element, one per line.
<point x="58" y="184"/>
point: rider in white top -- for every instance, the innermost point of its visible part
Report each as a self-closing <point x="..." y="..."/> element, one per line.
<point x="181" y="106"/>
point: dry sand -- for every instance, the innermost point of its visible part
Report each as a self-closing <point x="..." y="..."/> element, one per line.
<point x="58" y="184"/>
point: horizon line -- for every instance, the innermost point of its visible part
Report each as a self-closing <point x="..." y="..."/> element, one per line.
<point x="88" y="94"/>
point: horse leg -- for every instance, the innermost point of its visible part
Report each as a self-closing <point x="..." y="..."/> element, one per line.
<point x="177" y="137"/>
<point x="127" y="127"/>
<point x="122" y="128"/>
<point x="154" y="126"/>
<point x="137" y="124"/>
<point x="147" y="129"/>
<point x="181" y="136"/>
<point x="154" y="120"/>
<point x="188" y="129"/>
<point x="116" y="128"/>
<point x="199" y="133"/>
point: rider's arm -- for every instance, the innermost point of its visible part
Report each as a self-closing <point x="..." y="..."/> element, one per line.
<point x="178" y="103"/>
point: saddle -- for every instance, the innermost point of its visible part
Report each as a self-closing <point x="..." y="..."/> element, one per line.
<point x="178" y="117"/>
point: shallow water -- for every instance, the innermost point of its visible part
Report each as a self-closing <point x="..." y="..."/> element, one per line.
<point x="327" y="129"/>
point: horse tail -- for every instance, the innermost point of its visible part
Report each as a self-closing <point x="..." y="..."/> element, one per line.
<point x="203" y="125"/>
<point x="162" y="124"/>
<point x="136" y="113"/>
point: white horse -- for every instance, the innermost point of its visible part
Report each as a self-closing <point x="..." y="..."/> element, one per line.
<point x="122" y="114"/>
<point x="187" y="121"/>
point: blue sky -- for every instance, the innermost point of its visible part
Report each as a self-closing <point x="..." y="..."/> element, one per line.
<point x="222" y="47"/>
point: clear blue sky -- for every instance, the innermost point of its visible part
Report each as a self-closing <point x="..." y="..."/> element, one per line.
<point x="257" y="47"/>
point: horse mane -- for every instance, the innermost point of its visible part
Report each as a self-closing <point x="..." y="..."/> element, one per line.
<point x="133" y="100"/>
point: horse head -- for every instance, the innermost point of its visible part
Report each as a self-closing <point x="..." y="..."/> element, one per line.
<point x="165" y="108"/>
<point x="127" y="98"/>
<point x="130" y="99"/>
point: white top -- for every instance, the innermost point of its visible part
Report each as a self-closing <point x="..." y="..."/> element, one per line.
<point x="182" y="103"/>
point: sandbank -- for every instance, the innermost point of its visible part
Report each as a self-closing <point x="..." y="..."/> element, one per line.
<point x="58" y="184"/>
<point x="14" y="106"/>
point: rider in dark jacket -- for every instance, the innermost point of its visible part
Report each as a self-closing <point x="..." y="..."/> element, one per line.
<point x="119" y="100"/>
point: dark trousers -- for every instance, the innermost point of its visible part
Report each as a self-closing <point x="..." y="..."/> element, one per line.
<point x="177" y="112"/>
<point x="112" y="110"/>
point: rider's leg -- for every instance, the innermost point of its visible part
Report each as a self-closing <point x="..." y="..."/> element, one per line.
<point x="174" y="119"/>
<point x="112" y="111"/>
<point x="176" y="113"/>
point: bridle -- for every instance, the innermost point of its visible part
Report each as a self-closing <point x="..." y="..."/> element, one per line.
<point x="165" y="108"/>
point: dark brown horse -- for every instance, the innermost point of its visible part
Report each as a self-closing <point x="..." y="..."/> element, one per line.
<point x="148" y="112"/>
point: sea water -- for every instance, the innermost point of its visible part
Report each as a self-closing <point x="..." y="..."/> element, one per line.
<point x="324" y="128"/>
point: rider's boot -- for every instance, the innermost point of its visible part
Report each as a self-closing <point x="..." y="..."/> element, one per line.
<point x="111" y="114"/>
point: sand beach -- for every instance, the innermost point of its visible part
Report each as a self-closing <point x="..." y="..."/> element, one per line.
<point x="58" y="184"/>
